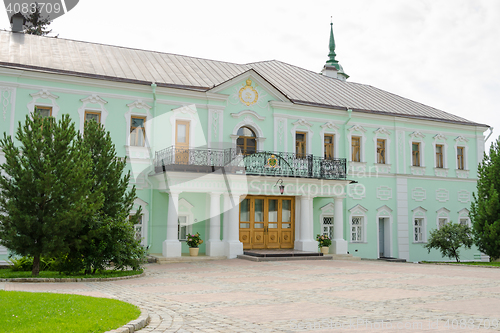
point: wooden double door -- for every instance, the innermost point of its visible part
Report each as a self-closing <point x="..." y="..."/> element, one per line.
<point x="267" y="222"/>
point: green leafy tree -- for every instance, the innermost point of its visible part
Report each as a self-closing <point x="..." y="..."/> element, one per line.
<point x="485" y="207"/>
<point x="45" y="189"/>
<point x="36" y="24"/>
<point x="449" y="239"/>
<point x="108" y="235"/>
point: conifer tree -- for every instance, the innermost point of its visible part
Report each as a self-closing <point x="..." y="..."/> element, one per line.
<point x="108" y="235"/>
<point x="36" y="24"/>
<point x="485" y="208"/>
<point x="45" y="188"/>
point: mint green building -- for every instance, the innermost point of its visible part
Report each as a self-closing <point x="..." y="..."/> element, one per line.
<point x="263" y="155"/>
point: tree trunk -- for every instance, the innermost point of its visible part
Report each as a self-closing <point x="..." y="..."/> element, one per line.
<point x="36" y="265"/>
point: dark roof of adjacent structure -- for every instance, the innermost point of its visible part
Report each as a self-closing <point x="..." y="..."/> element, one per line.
<point x="108" y="62"/>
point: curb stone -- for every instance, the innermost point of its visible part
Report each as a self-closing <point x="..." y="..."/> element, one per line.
<point x="74" y="279"/>
<point x="454" y="264"/>
<point x="134" y="325"/>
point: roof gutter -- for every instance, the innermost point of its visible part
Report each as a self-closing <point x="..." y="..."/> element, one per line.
<point x="491" y="132"/>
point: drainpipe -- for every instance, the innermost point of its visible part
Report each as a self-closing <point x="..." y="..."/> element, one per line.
<point x="491" y="132"/>
<point x="151" y="141"/>
<point x="349" y="112"/>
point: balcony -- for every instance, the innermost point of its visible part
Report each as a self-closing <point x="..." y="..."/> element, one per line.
<point x="262" y="163"/>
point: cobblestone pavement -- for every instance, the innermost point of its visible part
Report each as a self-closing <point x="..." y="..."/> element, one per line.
<point x="304" y="296"/>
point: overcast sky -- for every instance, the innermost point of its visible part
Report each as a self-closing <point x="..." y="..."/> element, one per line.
<point x="443" y="53"/>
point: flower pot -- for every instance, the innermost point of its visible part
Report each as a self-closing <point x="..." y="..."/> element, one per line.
<point x="325" y="249"/>
<point x="193" y="251"/>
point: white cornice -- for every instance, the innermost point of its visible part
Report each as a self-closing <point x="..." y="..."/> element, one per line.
<point x="250" y="112"/>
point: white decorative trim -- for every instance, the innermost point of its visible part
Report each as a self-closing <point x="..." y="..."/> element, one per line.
<point x="418" y="194"/>
<point x="215" y="128"/>
<point x="357" y="128"/>
<point x="464" y="214"/>
<point x="361" y="133"/>
<point x="248" y="122"/>
<point x="356" y="191"/>
<point x="250" y="112"/>
<point x="356" y="168"/>
<point x="382" y="133"/>
<point x="461" y="138"/>
<point x="417" y="134"/>
<point x="330" y="128"/>
<point x="358" y="211"/>
<point x="386" y="213"/>
<point x="421" y="213"/>
<point x="417" y="170"/>
<point x="303" y="123"/>
<point x="145" y="219"/>
<point x="384" y="193"/>
<point x="382" y="168"/>
<point x="92" y="99"/>
<point x="442" y="195"/>
<point x="141" y="109"/>
<point x="442" y="213"/>
<point x="8" y="97"/>
<point x="463" y="196"/>
<point x="280" y="134"/>
<point x="44" y="94"/>
<point x="440" y="172"/>
<point x="441" y="139"/>
<point x="462" y="173"/>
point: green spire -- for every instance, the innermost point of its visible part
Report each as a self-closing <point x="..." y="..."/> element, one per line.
<point x="331" y="61"/>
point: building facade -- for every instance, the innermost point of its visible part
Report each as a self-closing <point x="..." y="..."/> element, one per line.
<point x="261" y="155"/>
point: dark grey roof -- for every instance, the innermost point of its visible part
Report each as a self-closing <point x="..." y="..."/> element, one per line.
<point x="301" y="86"/>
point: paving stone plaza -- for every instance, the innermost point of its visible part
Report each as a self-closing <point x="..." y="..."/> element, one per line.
<point x="304" y="296"/>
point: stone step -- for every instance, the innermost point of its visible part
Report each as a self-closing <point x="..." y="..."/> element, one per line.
<point x="343" y="257"/>
<point x="252" y="258"/>
<point x="159" y="259"/>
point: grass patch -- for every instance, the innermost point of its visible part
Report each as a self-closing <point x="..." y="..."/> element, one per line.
<point x="7" y="273"/>
<point x="470" y="263"/>
<point x="48" y="312"/>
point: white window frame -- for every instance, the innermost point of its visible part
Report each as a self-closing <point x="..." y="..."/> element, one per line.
<point x="138" y="109"/>
<point x="94" y="100"/>
<point x="145" y="218"/>
<point x="248" y="122"/>
<point x="330" y="128"/>
<point x="419" y="213"/>
<point x="358" y="211"/>
<point x="44" y="94"/>
<point x="443" y="214"/>
<point x="187" y="224"/>
<point x="185" y="208"/>
<point x="327" y="211"/>
<point x="382" y="134"/>
<point x="302" y="125"/>
<point x="384" y="212"/>
<point x="463" y="214"/>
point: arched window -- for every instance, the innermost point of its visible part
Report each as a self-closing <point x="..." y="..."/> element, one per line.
<point x="246" y="140"/>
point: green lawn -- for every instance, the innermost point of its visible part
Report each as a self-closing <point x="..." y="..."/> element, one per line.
<point x="47" y="312"/>
<point x="7" y="273"/>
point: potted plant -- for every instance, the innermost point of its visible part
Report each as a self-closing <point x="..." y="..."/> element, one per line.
<point x="193" y="241"/>
<point x="324" y="243"/>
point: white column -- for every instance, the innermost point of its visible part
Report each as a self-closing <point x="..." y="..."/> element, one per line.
<point x="172" y="246"/>
<point x="339" y="244"/>
<point x="215" y="247"/>
<point x="233" y="246"/>
<point x="225" y="218"/>
<point x="306" y="241"/>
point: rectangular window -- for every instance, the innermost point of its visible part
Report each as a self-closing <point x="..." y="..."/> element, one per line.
<point x="328" y="144"/>
<point x="442" y="222"/>
<point x="93" y="115"/>
<point x="328" y="226"/>
<point x="137" y="227"/>
<point x="183" y="227"/>
<point x="418" y="227"/>
<point x="460" y="158"/>
<point x="415" y="150"/>
<point x="356" y="149"/>
<point x="137" y="131"/>
<point x="300" y="144"/>
<point x="380" y="151"/>
<point x="43" y="111"/>
<point x="464" y="221"/>
<point x="439" y="156"/>
<point x="357" y="229"/>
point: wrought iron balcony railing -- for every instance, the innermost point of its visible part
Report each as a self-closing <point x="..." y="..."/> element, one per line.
<point x="265" y="163"/>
